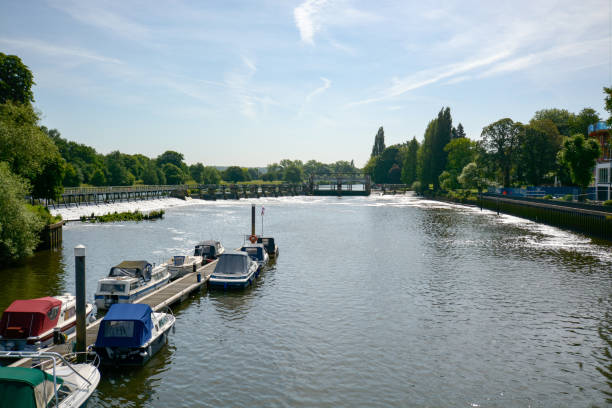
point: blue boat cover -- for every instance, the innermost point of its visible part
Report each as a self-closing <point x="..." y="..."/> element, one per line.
<point x="125" y="325"/>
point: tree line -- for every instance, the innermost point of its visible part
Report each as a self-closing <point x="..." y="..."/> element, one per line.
<point x="552" y="149"/>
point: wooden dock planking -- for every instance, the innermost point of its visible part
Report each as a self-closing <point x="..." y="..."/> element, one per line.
<point x="174" y="292"/>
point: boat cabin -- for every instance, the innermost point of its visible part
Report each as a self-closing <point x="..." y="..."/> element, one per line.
<point x="255" y="251"/>
<point x="29" y="318"/>
<point x="268" y="243"/>
<point x="208" y="249"/>
<point x="125" y="325"/>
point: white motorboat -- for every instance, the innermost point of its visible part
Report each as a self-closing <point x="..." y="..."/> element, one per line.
<point x="209" y="250"/>
<point x="54" y="381"/>
<point x="129" y="281"/>
<point x="30" y="324"/>
<point x="180" y="265"/>
<point x="130" y="334"/>
<point x="235" y="269"/>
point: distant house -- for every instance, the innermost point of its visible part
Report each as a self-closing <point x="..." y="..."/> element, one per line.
<point x="603" y="169"/>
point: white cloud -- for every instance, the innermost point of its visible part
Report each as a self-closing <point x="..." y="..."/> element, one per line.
<point x="307" y="19"/>
<point x="320" y="90"/>
<point x="55" y="50"/>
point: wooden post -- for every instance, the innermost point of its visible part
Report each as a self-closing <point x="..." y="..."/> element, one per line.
<point x="252" y="219"/>
<point x="81" y="329"/>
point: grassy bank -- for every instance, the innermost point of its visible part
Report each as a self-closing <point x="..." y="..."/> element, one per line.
<point x="124" y="216"/>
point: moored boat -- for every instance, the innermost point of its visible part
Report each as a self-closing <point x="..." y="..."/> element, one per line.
<point x="258" y="254"/>
<point x="30" y="324"/>
<point x="234" y="269"/>
<point x="129" y="281"/>
<point x="54" y="381"/>
<point x="209" y="250"/>
<point x="271" y="247"/>
<point x="130" y="334"/>
<point x="180" y="265"/>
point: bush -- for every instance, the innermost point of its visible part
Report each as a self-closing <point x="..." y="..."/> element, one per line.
<point x="124" y="216"/>
<point x="568" y="197"/>
<point x="548" y="197"/>
<point x="417" y="187"/>
<point x="43" y="213"/>
<point x="608" y="202"/>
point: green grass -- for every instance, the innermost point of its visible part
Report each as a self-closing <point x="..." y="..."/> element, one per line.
<point x="124" y="216"/>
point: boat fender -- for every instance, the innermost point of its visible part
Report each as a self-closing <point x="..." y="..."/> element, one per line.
<point x="173" y="329"/>
<point x="253" y="239"/>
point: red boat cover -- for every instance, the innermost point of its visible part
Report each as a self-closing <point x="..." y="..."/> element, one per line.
<point x="26" y="318"/>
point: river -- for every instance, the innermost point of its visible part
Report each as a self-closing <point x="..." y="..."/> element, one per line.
<point x="374" y="301"/>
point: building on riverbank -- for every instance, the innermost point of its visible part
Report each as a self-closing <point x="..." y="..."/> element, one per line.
<point x="603" y="169"/>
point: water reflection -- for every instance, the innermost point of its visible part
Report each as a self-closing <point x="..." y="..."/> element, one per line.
<point x="40" y="275"/>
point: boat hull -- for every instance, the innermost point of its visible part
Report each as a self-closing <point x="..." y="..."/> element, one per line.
<point x="131" y="356"/>
<point x="104" y="301"/>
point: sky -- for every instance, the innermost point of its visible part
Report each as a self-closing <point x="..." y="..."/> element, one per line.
<point x="253" y="82"/>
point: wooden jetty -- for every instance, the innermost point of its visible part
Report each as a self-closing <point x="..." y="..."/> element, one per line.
<point x="172" y="293"/>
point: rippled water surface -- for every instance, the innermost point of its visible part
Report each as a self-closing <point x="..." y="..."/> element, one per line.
<point x="377" y="301"/>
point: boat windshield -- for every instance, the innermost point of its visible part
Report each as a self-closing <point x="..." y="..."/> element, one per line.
<point x="232" y="264"/>
<point x="119" y="328"/>
<point x="178" y="260"/>
<point x="203" y="250"/>
<point x="112" y="287"/>
<point x="252" y="251"/>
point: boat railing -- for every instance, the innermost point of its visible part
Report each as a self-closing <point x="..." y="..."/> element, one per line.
<point x="48" y="357"/>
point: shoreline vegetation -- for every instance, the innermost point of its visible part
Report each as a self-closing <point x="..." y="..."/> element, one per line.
<point x="136" y="215"/>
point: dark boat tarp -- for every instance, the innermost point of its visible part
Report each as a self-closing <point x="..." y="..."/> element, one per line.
<point x="125" y="325"/>
<point x="232" y="262"/>
<point x="24" y="318"/>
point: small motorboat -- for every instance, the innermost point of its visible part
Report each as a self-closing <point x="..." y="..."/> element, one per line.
<point x="271" y="247"/>
<point x="30" y="324"/>
<point x="234" y="269"/>
<point x="130" y="334"/>
<point x="257" y="252"/>
<point x="180" y="265"/>
<point x="209" y="250"/>
<point x="54" y="381"/>
<point x="129" y="281"/>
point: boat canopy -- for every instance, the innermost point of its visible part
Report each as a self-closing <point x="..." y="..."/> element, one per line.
<point x="206" y="248"/>
<point x="255" y="251"/>
<point x="25" y="318"/>
<point x="234" y="262"/>
<point x="125" y="325"/>
<point x="133" y="269"/>
<point x="25" y="387"/>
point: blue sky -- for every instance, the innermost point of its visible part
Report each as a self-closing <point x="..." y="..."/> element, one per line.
<point x="253" y="82"/>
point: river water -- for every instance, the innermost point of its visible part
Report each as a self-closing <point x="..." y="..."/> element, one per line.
<point x="374" y="301"/>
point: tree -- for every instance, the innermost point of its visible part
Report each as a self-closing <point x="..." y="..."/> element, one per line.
<point x="460" y="131"/>
<point x="432" y="157"/>
<point x="211" y="175"/>
<point x="500" y="140"/>
<point x="395" y="174"/>
<point x="196" y="171"/>
<point x="580" y="156"/>
<point x="384" y="162"/>
<point x="461" y="151"/>
<point x="118" y="175"/>
<point x="409" y="167"/>
<point x="580" y="122"/>
<point x="48" y="183"/>
<point x="447" y="181"/>
<point x="471" y="177"/>
<point x="16" y="80"/>
<point x="170" y="156"/>
<point x="98" y="178"/>
<point x="233" y="174"/>
<point x="379" y="143"/>
<point x="608" y="101"/>
<point x="536" y="156"/>
<point x="293" y="174"/>
<point x="560" y="117"/>
<point x="174" y="174"/>
<point x="72" y="177"/>
<point x="19" y="227"/>
<point x="149" y="175"/>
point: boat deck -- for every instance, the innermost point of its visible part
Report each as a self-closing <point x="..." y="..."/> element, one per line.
<point x="167" y="295"/>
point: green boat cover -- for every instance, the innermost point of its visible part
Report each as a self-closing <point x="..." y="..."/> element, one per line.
<point x="25" y="387"/>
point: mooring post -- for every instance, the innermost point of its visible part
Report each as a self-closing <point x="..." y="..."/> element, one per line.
<point x="252" y="219"/>
<point x="81" y="329"/>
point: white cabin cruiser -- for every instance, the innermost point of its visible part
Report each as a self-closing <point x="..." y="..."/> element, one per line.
<point x="235" y="269"/>
<point x="180" y="265"/>
<point x="30" y="324"/>
<point x="55" y="381"/>
<point x="209" y="250"/>
<point x="129" y="281"/>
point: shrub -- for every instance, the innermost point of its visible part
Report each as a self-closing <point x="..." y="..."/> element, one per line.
<point x="568" y="197"/>
<point x="548" y="197"/>
<point x="607" y="202"/>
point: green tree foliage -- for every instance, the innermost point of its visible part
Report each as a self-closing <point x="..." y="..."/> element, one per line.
<point x="253" y="173"/>
<point x="197" y="172"/>
<point x="293" y="174"/>
<point x="170" y="156"/>
<point x="460" y="151"/>
<point x="72" y="178"/>
<point x="460" y="131"/>
<point x="395" y="174"/>
<point x="174" y="174"/>
<point x="233" y="174"/>
<point x="384" y="162"/>
<point x="472" y="177"/>
<point x="19" y="227"/>
<point x="580" y="122"/>
<point x="379" y="143"/>
<point x="48" y="183"/>
<point x="211" y="175"/>
<point x="447" y="181"/>
<point x="84" y="159"/>
<point x="500" y="141"/>
<point x="313" y="167"/>
<point x="98" y="178"/>
<point x="562" y="118"/>
<point x="608" y="102"/>
<point x="580" y="155"/>
<point x="149" y="175"/>
<point x="536" y="155"/>
<point x="118" y="174"/>
<point x="16" y="80"/>
<point x="409" y="167"/>
<point x="431" y="157"/>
